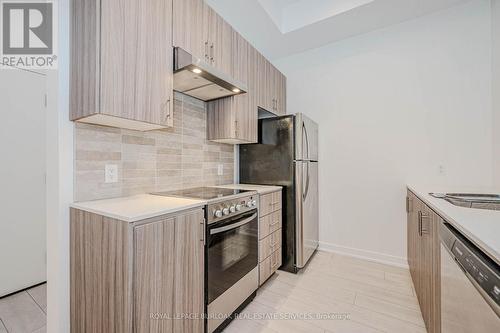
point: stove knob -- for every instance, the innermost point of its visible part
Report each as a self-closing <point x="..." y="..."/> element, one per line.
<point x="232" y="209"/>
<point x="254" y="203"/>
<point x="218" y="213"/>
<point x="225" y="211"/>
<point x="238" y="207"/>
<point x="249" y="203"/>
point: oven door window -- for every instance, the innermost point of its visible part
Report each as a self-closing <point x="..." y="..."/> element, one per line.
<point x="232" y="252"/>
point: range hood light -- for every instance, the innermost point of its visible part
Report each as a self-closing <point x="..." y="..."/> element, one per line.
<point x="201" y="80"/>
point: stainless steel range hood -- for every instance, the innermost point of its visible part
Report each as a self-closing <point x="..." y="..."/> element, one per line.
<point x="195" y="77"/>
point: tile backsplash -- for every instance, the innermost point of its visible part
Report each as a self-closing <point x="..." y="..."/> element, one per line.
<point x="170" y="159"/>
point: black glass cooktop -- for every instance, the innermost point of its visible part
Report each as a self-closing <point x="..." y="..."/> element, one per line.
<point x="203" y="193"/>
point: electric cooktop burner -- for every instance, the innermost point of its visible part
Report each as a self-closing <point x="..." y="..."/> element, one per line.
<point x="203" y="193"/>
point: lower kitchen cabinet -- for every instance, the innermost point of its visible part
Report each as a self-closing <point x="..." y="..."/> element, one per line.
<point x="270" y="234"/>
<point x="269" y="265"/>
<point x="424" y="259"/>
<point x="142" y="277"/>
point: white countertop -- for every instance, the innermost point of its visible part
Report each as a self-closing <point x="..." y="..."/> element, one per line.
<point x="480" y="226"/>
<point x="261" y="189"/>
<point x="137" y="207"/>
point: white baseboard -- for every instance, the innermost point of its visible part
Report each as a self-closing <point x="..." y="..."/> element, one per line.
<point x="364" y="254"/>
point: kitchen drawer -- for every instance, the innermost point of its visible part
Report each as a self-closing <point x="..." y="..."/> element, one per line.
<point x="269" y="203"/>
<point x="269" y="266"/>
<point x="269" y="244"/>
<point x="269" y="224"/>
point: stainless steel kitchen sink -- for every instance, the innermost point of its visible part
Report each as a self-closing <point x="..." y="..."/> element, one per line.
<point x="471" y="200"/>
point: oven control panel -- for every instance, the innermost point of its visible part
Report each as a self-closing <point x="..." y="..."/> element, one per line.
<point x="231" y="207"/>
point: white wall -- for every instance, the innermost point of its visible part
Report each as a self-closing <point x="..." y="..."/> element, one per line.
<point x="496" y="87"/>
<point x="394" y="106"/>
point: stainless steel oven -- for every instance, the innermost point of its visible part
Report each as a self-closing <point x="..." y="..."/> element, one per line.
<point x="232" y="266"/>
<point x="231" y="250"/>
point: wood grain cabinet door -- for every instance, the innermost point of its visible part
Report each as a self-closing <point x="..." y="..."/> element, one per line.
<point x="265" y="83"/>
<point x="425" y="264"/>
<point x="412" y="233"/>
<point x="272" y="87"/>
<point x="274" y="78"/>
<point x="424" y="259"/>
<point x="234" y="119"/>
<point x="154" y="272"/>
<point x="189" y="27"/>
<point x="168" y="275"/>
<point x="245" y="106"/>
<point x="281" y="94"/>
<point x="222" y="50"/>
<point x="136" y="55"/>
<point x="253" y="92"/>
<point x="122" y="63"/>
<point x="430" y="270"/>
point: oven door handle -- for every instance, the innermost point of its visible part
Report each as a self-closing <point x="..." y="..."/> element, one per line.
<point x="233" y="226"/>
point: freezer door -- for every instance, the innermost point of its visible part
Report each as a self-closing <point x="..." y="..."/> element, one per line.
<point x="306" y="138"/>
<point x="307" y="231"/>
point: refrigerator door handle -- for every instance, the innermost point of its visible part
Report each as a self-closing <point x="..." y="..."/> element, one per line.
<point x="306" y="190"/>
<point x="305" y="136"/>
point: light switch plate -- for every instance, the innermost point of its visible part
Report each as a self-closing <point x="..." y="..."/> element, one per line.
<point x="110" y="173"/>
<point x="220" y="170"/>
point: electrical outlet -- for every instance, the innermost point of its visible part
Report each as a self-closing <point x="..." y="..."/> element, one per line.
<point x="220" y="170"/>
<point x="111" y="173"/>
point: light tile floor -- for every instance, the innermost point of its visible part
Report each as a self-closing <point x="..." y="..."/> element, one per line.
<point x="24" y="312"/>
<point x="367" y="296"/>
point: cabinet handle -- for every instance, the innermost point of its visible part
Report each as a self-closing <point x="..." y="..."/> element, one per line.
<point x="212" y="52"/>
<point x="169" y="108"/>
<point x="206" y="50"/>
<point x="202" y="224"/>
<point x="166" y="107"/>
<point x="421" y="217"/>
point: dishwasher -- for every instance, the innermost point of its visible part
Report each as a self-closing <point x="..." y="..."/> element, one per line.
<point x="470" y="286"/>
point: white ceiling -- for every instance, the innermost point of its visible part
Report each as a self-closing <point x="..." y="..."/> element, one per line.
<point x="279" y="28"/>
<point x="290" y="15"/>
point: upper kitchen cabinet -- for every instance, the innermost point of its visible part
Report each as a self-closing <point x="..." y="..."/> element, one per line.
<point x="220" y="38"/>
<point x="272" y="88"/>
<point x="122" y="63"/>
<point x="233" y="120"/>
<point x="199" y="30"/>
<point x="190" y="18"/>
<point x="281" y="95"/>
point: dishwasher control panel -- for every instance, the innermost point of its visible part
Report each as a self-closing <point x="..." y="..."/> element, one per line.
<point x="482" y="269"/>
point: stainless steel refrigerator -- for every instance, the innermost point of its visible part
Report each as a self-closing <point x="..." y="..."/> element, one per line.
<point x="287" y="155"/>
